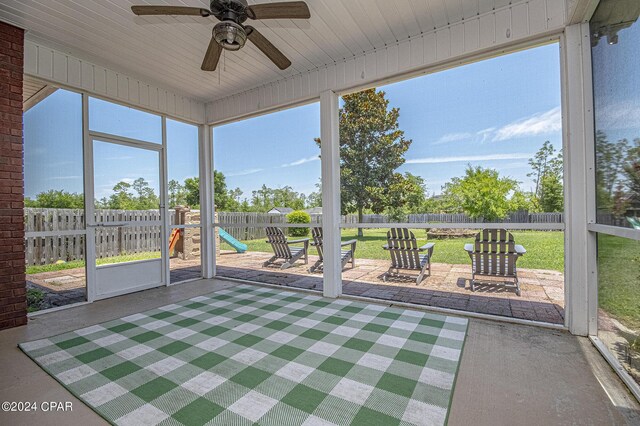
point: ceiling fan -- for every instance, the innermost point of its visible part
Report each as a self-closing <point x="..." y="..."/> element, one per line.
<point x="230" y="33"/>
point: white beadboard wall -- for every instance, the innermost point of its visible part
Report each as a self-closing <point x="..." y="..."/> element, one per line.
<point x="57" y="67"/>
<point x="490" y="31"/>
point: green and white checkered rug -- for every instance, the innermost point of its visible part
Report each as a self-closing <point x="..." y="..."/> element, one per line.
<point x="251" y="355"/>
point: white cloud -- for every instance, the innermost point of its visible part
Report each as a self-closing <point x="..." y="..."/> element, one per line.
<point x="486" y="134"/>
<point x="301" y="161"/>
<point x="453" y="137"/>
<point x="244" y="172"/>
<point x="537" y="124"/>
<point x="469" y="158"/>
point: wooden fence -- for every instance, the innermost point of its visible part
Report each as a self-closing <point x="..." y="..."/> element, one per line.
<point x="43" y="250"/>
<point x="251" y="226"/>
<point x="517" y="217"/>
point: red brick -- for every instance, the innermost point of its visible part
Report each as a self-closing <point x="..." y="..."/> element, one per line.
<point x="7" y="324"/>
<point x="12" y="267"/>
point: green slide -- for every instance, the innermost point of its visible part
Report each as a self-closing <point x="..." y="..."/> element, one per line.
<point x="227" y="238"/>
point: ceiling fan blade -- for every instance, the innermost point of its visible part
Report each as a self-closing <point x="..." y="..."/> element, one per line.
<point x="211" y="58"/>
<point x="280" y="10"/>
<point x="169" y="10"/>
<point x="272" y="52"/>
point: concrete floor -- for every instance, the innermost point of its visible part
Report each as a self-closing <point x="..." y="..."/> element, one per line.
<point x="509" y="375"/>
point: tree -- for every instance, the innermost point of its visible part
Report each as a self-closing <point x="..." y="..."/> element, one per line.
<point x="224" y="199"/>
<point x="265" y="198"/>
<point x="146" y="198"/>
<point x="631" y="171"/>
<point x="443" y="203"/>
<point x="315" y="198"/>
<point x="177" y="193"/>
<point x="121" y="199"/>
<point x="482" y="193"/>
<point x="372" y="147"/>
<point x="235" y="195"/>
<point x="523" y="201"/>
<point x="620" y="201"/>
<point x="131" y="196"/>
<point x="610" y="161"/>
<point x="547" y="173"/>
<point x="262" y="199"/>
<point x="544" y="161"/>
<point x="192" y="192"/>
<point x="552" y="196"/>
<point x="56" y="199"/>
<point x="287" y="197"/>
<point x="405" y="194"/>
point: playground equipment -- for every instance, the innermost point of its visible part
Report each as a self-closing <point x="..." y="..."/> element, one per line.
<point x="634" y="222"/>
<point x="173" y="239"/>
<point x="227" y="238"/>
<point x="176" y="234"/>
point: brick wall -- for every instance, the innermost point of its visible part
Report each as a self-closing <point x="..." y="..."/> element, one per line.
<point x="13" y="304"/>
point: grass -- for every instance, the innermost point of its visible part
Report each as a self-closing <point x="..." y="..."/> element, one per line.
<point x="545" y="250"/>
<point x="80" y="263"/>
<point x="619" y="279"/>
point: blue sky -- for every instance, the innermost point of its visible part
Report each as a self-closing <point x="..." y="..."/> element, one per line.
<point x="495" y="113"/>
<point x="57" y="121"/>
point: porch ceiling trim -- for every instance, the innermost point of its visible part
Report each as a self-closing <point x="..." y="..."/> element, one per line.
<point x="580" y="10"/>
<point x="483" y="34"/>
<point x="69" y="71"/>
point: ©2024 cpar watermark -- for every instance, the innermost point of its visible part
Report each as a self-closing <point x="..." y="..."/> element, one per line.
<point x="46" y="406"/>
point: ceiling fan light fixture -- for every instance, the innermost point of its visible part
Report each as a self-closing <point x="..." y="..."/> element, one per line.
<point x="230" y="35"/>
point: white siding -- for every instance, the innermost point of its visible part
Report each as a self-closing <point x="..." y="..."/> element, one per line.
<point x="64" y="69"/>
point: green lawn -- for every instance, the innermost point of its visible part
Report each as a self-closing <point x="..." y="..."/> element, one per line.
<point x="80" y="263"/>
<point x="619" y="279"/>
<point x="545" y="250"/>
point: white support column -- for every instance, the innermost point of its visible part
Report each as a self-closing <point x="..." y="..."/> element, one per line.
<point x="164" y="206"/>
<point x="330" y="155"/>
<point x="208" y="240"/>
<point x="89" y="205"/>
<point x="580" y="261"/>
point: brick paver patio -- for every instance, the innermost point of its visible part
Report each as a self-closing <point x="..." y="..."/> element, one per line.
<point x="448" y="286"/>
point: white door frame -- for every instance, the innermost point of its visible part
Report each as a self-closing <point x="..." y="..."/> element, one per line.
<point x="120" y="272"/>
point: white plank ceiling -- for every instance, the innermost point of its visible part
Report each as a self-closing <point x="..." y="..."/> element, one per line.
<point x="168" y="51"/>
<point x="30" y="87"/>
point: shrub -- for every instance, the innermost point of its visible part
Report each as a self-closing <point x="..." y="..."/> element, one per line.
<point x="35" y="298"/>
<point x="298" y="216"/>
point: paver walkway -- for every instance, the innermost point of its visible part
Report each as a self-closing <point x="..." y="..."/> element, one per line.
<point x="448" y="286"/>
